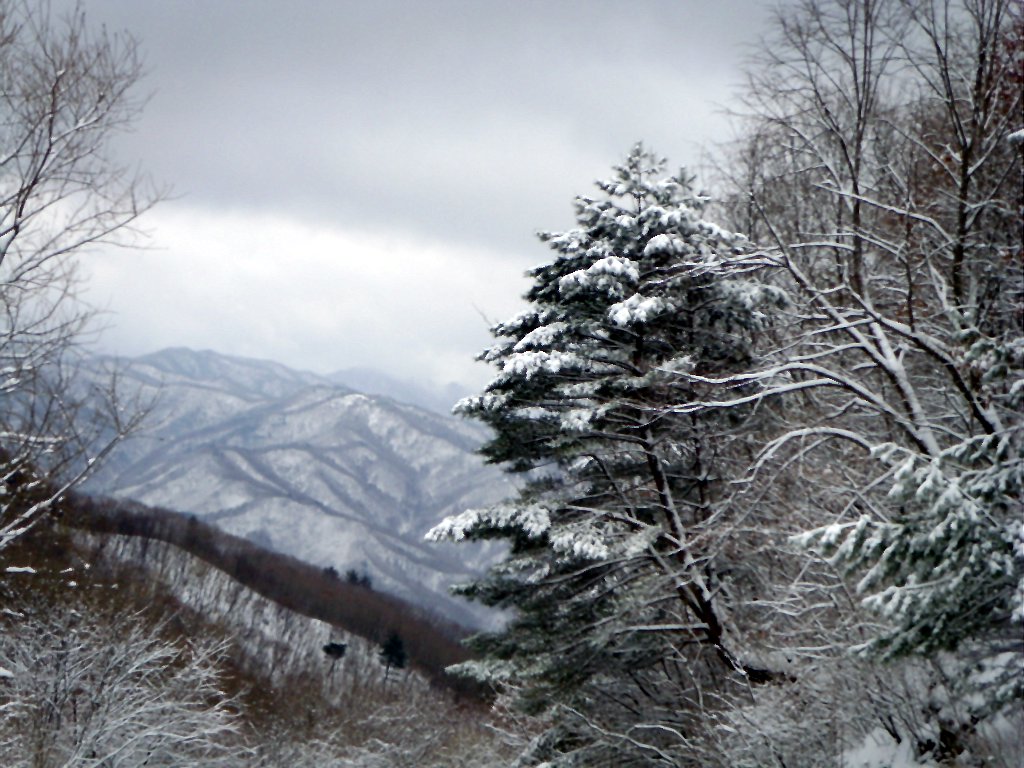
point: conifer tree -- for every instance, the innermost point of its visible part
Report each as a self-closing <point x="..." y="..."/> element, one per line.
<point x="392" y="653"/>
<point x="618" y="538"/>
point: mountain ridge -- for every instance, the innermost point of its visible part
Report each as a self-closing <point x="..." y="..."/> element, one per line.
<point x="308" y="466"/>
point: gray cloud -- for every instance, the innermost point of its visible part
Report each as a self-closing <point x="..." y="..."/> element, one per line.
<point x="463" y="122"/>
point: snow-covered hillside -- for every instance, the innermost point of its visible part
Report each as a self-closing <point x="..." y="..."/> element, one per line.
<point x="311" y="468"/>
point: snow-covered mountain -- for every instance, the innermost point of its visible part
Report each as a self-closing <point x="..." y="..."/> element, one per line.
<point x="372" y="382"/>
<point x="307" y="466"/>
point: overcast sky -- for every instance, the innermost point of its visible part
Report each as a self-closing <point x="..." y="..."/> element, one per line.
<point x="360" y="183"/>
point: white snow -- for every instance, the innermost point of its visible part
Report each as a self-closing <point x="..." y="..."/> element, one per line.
<point x="606" y="275"/>
<point x="880" y="750"/>
<point x="584" y="545"/>
<point x="527" y="364"/>
<point x="541" y="337"/>
<point x="665" y="244"/>
<point x="532" y="519"/>
<point x="637" y="309"/>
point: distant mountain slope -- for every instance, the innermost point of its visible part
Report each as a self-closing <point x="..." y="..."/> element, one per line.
<point x="321" y="594"/>
<point x="373" y="382"/>
<point x="308" y="467"/>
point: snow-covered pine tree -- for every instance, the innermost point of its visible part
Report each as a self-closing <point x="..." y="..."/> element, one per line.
<point x="618" y="537"/>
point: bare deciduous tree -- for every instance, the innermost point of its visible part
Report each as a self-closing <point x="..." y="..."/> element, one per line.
<point x="883" y="181"/>
<point x="65" y="91"/>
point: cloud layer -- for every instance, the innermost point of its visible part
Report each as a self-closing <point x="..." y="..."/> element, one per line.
<point x="358" y="182"/>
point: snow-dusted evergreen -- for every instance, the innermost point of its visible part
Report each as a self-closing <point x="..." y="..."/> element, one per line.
<point x="620" y="535"/>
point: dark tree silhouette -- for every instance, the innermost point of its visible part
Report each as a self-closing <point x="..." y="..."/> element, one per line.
<point x="392" y="653"/>
<point x="335" y="651"/>
<point x="355" y="578"/>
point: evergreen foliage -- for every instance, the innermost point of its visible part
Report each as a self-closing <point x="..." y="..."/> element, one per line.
<point x="618" y="536"/>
